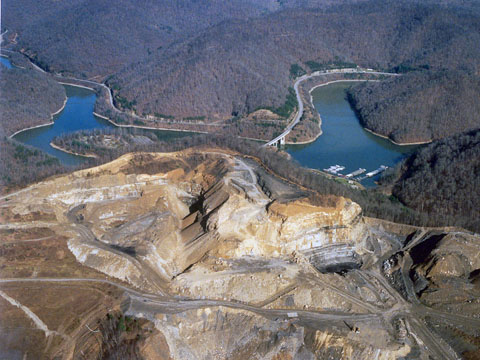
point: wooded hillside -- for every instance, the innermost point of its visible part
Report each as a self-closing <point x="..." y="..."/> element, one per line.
<point x="27" y="98"/>
<point x="238" y="66"/>
<point x="419" y="106"/>
<point x="214" y="59"/>
<point x="443" y="178"/>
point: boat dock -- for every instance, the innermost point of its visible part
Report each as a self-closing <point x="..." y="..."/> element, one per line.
<point x="355" y="173"/>
<point x="334" y="169"/>
<point x="378" y="171"/>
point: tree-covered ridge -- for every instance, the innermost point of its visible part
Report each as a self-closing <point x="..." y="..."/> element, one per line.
<point x="27" y="98"/>
<point x="21" y="165"/>
<point x="215" y="59"/>
<point x="97" y="37"/>
<point x="419" y="106"/>
<point x="239" y="66"/>
<point x="444" y="178"/>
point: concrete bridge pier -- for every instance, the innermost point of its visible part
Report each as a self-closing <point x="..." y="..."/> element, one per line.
<point x="278" y="141"/>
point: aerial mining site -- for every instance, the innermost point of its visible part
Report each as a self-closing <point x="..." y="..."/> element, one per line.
<point x="239" y="180"/>
<point x="208" y="254"/>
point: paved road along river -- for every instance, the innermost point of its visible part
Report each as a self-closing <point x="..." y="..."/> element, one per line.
<point x="344" y="141"/>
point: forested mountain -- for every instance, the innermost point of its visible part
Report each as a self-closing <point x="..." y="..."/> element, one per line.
<point x="419" y="106"/>
<point x="238" y="66"/>
<point x="98" y="37"/>
<point x="215" y="59"/>
<point x="27" y="98"/>
<point x="444" y="177"/>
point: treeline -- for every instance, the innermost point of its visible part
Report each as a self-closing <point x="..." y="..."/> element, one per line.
<point x="443" y="178"/>
<point x="332" y="64"/>
<point x="27" y="98"/>
<point x="373" y="203"/>
<point x="419" y="106"/>
<point x="79" y="37"/>
<point x="236" y="67"/>
<point x="224" y="60"/>
<point x="21" y="165"/>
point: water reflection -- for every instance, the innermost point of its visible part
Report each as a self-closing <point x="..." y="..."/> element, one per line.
<point x="344" y="141"/>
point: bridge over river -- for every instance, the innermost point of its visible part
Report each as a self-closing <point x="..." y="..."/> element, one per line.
<point x="280" y="139"/>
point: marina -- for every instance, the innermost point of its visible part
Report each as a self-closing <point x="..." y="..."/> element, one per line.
<point x="344" y="143"/>
<point x="335" y="170"/>
<point x="355" y="173"/>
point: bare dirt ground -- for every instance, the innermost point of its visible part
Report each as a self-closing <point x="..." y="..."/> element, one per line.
<point x="189" y="255"/>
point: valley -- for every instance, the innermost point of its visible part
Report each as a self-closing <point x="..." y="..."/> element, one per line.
<point x="251" y="179"/>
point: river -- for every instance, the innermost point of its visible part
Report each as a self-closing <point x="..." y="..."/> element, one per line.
<point x="344" y="142"/>
<point x="5" y="62"/>
<point x="77" y="115"/>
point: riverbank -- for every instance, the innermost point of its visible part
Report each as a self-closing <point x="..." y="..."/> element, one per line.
<point x="308" y="77"/>
<point x="307" y="141"/>
<point x="12" y="63"/>
<point x="394" y="142"/>
<point x="51" y="122"/>
<point x="70" y="81"/>
<point x="335" y="81"/>
<point x="75" y="82"/>
<point x="146" y="127"/>
<point x="366" y="129"/>
<point x="314" y="111"/>
<point x="319" y="116"/>
<point x="344" y="142"/>
<point x="72" y="152"/>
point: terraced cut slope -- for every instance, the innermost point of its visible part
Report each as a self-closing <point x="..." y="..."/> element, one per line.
<point x="185" y="255"/>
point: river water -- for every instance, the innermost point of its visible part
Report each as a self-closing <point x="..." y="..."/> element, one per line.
<point x="77" y="115"/>
<point x="344" y="142"/>
<point x="5" y="62"/>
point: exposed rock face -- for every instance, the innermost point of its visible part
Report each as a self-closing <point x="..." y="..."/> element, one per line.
<point x="170" y="220"/>
<point x="227" y="261"/>
<point x="334" y="258"/>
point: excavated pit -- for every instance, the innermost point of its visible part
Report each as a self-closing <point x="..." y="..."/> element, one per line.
<point x="222" y="259"/>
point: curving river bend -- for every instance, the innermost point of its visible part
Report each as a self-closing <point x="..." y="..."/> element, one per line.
<point x="343" y="142"/>
<point x="77" y="115"/>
